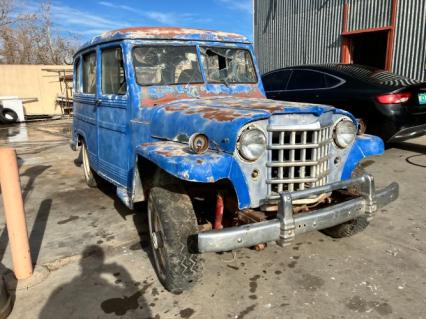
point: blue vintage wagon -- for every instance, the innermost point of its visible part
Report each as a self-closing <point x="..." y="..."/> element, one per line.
<point x="178" y="118"/>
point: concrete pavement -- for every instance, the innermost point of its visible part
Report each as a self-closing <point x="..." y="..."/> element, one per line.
<point x="96" y="251"/>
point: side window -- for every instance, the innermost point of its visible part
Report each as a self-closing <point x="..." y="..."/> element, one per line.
<point x="89" y="73"/>
<point x="331" y="81"/>
<point x="113" y="77"/>
<point x="77" y="75"/>
<point x="276" y="81"/>
<point x="305" y="80"/>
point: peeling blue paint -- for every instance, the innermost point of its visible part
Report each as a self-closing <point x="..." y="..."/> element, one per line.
<point x="155" y="122"/>
<point x="364" y="146"/>
<point x="210" y="167"/>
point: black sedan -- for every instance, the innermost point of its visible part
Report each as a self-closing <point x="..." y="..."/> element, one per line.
<point x="391" y="106"/>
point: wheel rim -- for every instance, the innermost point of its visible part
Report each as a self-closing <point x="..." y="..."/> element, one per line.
<point x="86" y="166"/>
<point x="157" y="241"/>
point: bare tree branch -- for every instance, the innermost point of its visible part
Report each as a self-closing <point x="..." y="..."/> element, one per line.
<point x="29" y="38"/>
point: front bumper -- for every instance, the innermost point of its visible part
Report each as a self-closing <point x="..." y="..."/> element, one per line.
<point x="408" y="132"/>
<point x="285" y="226"/>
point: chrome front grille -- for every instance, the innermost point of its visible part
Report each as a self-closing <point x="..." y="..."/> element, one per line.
<point x="297" y="159"/>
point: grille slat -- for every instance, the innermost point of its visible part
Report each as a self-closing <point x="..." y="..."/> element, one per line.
<point x="297" y="158"/>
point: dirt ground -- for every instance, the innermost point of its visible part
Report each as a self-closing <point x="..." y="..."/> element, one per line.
<point x="96" y="251"/>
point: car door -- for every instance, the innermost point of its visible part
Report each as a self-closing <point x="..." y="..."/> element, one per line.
<point x="113" y="115"/>
<point x="85" y="103"/>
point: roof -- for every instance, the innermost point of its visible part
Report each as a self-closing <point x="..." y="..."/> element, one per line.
<point x="361" y="72"/>
<point x="166" y="33"/>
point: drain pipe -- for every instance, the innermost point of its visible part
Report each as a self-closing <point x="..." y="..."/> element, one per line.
<point x="15" y="214"/>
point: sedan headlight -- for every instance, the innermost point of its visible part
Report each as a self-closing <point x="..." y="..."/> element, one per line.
<point x="344" y="133"/>
<point x="252" y="143"/>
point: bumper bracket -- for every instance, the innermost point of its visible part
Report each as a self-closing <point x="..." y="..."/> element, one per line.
<point x="286" y="226"/>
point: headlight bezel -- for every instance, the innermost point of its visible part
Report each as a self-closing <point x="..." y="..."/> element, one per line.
<point x="242" y="149"/>
<point x="339" y="128"/>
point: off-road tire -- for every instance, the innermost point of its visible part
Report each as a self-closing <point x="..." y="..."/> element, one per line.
<point x="353" y="226"/>
<point x="170" y="210"/>
<point x="89" y="174"/>
<point x="347" y="229"/>
<point x="8" y="116"/>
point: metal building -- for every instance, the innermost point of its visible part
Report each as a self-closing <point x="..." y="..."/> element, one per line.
<point x="389" y="34"/>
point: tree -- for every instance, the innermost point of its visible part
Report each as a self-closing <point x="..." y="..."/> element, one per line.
<point x="29" y="38"/>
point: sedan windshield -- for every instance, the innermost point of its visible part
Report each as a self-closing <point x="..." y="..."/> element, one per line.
<point x="166" y="65"/>
<point x="225" y="65"/>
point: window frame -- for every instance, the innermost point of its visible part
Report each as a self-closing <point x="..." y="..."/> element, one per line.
<point x="111" y="47"/>
<point x="171" y="46"/>
<point x="278" y="71"/>
<point x="256" y="80"/>
<point x="342" y="81"/>
<point x="86" y="53"/>
<point x="78" y="72"/>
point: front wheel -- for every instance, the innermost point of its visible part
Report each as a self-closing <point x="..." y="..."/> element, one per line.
<point x="347" y="229"/>
<point x="172" y="223"/>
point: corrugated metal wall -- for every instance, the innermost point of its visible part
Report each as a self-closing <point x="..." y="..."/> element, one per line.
<point x="294" y="32"/>
<point x="365" y="14"/>
<point x="410" y="39"/>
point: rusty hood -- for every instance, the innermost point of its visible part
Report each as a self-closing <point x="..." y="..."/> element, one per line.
<point x="220" y="118"/>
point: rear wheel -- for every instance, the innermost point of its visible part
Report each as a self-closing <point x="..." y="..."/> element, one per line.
<point x="89" y="175"/>
<point x="353" y="226"/>
<point x="172" y="223"/>
<point x="347" y="229"/>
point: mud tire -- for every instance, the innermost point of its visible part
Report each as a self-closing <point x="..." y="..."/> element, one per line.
<point x="172" y="219"/>
<point x="347" y="229"/>
<point x="353" y="226"/>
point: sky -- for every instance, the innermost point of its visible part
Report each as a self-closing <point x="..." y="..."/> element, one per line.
<point x="88" y="18"/>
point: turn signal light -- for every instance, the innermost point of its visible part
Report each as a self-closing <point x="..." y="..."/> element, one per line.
<point x="394" y="98"/>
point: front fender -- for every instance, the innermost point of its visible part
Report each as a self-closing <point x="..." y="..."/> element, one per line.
<point x="177" y="160"/>
<point x="365" y="145"/>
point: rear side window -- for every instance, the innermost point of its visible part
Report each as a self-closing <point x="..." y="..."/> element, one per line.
<point x="113" y="77"/>
<point x="305" y="80"/>
<point x="276" y="81"/>
<point x="89" y="73"/>
<point x="77" y="76"/>
<point x="331" y="81"/>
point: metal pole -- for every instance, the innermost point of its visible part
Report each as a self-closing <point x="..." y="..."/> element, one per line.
<point x="15" y="214"/>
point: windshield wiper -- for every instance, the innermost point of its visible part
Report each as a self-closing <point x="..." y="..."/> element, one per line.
<point x="226" y="82"/>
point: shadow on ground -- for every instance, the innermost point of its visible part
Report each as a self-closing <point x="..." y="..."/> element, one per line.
<point x="139" y="216"/>
<point x="409" y="146"/>
<point x="100" y="289"/>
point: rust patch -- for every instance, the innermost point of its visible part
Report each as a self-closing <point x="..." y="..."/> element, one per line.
<point x="174" y="32"/>
<point x="147" y="100"/>
<point x="168" y="149"/>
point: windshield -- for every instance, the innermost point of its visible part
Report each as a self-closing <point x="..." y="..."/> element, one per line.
<point x="166" y="65"/>
<point x="224" y="65"/>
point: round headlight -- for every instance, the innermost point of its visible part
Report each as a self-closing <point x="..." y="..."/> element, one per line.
<point x="344" y="133"/>
<point x="252" y="144"/>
